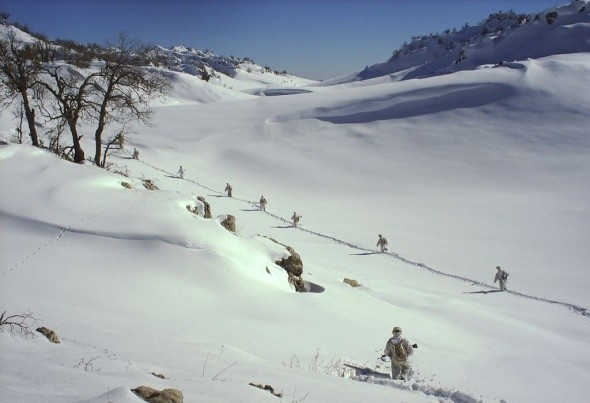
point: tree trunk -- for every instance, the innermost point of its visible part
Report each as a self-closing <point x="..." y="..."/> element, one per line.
<point x="30" y="115"/>
<point x="98" y="143"/>
<point x="78" y="152"/>
<point x="102" y="117"/>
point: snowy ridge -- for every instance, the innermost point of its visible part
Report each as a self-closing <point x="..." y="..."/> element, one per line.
<point x="502" y="37"/>
<point x="200" y="76"/>
<point x="228" y="72"/>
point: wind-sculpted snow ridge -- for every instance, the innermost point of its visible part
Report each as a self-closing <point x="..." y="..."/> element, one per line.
<point x="574" y="308"/>
<point x="62" y="230"/>
<point x="501" y="37"/>
<point x="419" y="103"/>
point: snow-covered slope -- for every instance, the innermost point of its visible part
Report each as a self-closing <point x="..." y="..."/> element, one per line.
<point x="229" y="72"/>
<point x="203" y="76"/>
<point x="461" y="172"/>
<point x="502" y="37"/>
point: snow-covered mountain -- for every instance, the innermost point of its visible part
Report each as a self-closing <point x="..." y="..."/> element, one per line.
<point x="502" y="37"/>
<point x="230" y="72"/>
<point x="226" y="77"/>
<point x="461" y="172"/>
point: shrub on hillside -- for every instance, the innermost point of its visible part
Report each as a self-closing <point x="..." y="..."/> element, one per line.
<point x="550" y="17"/>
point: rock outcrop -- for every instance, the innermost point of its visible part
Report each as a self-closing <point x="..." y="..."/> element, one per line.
<point x="155" y="396"/>
<point x="149" y="184"/>
<point x="351" y="282"/>
<point x="50" y="334"/>
<point x="206" y="205"/>
<point x="229" y="223"/>
<point x="266" y="387"/>
<point x="293" y="264"/>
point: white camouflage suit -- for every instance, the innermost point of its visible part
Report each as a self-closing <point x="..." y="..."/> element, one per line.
<point x="262" y="203"/>
<point x="382" y="242"/>
<point x="399" y="369"/>
<point x="500" y="277"/>
<point x="295" y="219"/>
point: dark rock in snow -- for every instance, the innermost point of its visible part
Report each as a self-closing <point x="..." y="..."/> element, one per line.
<point x="351" y="282"/>
<point x="50" y="334"/>
<point x="149" y="184"/>
<point x="155" y="396"/>
<point x="293" y="264"/>
<point x="207" y="206"/>
<point x="229" y="223"/>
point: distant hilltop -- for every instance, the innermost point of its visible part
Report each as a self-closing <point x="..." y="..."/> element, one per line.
<point x="204" y="64"/>
<point x="503" y="36"/>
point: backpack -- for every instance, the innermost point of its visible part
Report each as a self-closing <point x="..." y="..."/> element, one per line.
<point x="504" y="276"/>
<point x="399" y="352"/>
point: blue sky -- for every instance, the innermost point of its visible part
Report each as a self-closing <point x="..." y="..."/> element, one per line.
<point x="310" y="38"/>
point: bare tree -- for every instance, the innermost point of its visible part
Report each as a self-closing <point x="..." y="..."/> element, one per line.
<point x="19" y="322"/>
<point x="71" y="95"/>
<point x="118" y="89"/>
<point x="113" y="143"/>
<point x="124" y="86"/>
<point x="19" y="70"/>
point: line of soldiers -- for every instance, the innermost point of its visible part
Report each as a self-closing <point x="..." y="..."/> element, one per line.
<point x="262" y="204"/>
<point x="397" y="348"/>
<point x="501" y="275"/>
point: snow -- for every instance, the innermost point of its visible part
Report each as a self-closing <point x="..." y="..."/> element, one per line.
<point x="460" y="172"/>
<point x="490" y="42"/>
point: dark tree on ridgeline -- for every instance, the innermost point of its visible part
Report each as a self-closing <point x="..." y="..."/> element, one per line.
<point x="123" y="88"/>
<point x="20" y="66"/>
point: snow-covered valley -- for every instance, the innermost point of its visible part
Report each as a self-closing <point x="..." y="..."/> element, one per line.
<point x="461" y="172"/>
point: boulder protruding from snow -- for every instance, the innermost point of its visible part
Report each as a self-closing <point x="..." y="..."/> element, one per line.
<point x="229" y="223"/>
<point x="297" y="282"/>
<point x="155" y="396"/>
<point x="206" y="206"/>
<point x="266" y="387"/>
<point x="126" y="185"/>
<point x="351" y="282"/>
<point x="50" y="334"/>
<point x="149" y="184"/>
<point x="292" y="264"/>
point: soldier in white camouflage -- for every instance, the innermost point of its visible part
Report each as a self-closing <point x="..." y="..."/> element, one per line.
<point x="262" y="203"/>
<point x="398" y="350"/>
<point x="295" y="219"/>
<point x="382" y="242"/>
<point x="502" y="277"/>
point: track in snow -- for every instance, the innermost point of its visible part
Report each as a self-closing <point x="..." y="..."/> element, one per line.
<point x="415" y="383"/>
<point x="63" y="230"/>
<point x="572" y="307"/>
